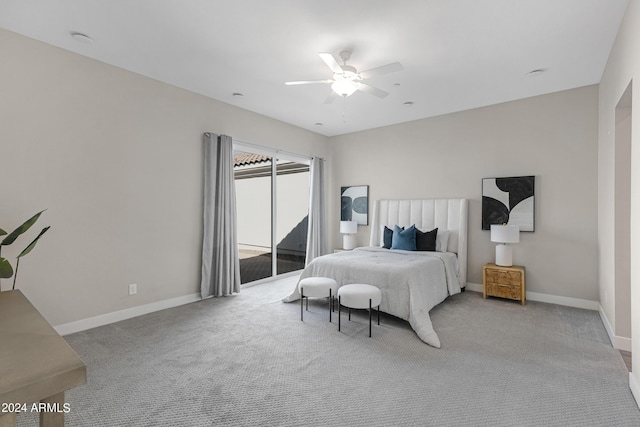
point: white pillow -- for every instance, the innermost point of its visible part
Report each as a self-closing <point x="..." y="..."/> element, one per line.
<point x="442" y="240"/>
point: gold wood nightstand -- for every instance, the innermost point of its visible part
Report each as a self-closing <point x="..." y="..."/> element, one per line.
<point x="504" y="282"/>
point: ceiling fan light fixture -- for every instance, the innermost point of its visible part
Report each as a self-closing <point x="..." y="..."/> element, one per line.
<point x="344" y="87"/>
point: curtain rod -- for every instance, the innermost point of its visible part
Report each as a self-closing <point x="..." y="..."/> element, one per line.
<point x="278" y="151"/>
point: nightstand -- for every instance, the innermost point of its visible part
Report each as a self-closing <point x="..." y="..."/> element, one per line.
<point x="504" y="282"/>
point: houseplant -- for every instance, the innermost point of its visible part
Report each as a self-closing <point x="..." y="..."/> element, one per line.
<point x="6" y="270"/>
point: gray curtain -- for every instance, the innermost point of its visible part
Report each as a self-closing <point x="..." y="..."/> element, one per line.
<point x="317" y="232"/>
<point x="220" y="261"/>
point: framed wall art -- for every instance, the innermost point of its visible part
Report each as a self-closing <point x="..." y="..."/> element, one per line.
<point x="508" y="201"/>
<point x="354" y="202"/>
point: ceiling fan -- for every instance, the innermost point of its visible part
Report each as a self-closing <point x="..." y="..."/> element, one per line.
<point x="346" y="79"/>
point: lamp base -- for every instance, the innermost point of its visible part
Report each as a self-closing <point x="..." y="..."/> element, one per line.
<point x="348" y="241"/>
<point x="504" y="255"/>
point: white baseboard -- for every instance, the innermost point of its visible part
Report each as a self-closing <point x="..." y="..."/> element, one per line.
<point x="621" y="343"/>
<point x="551" y="299"/>
<point x="271" y="279"/>
<point x="116" y="316"/>
<point x="635" y="388"/>
<point x="474" y="287"/>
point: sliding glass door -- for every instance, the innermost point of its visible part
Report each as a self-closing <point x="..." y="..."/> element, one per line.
<point x="253" y="203"/>
<point x="292" y="214"/>
<point x="272" y="196"/>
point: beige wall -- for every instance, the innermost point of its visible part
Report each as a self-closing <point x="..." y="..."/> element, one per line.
<point x="622" y="68"/>
<point x="116" y="158"/>
<point x="553" y="137"/>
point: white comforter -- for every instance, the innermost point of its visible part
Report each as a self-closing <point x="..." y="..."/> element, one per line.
<point x="412" y="282"/>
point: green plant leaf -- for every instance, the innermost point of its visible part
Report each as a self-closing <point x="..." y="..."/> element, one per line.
<point x="2" y="232"/>
<point x="33" y="244"/>
<point x="6" y="270"/>
<point x="18" y="231"/>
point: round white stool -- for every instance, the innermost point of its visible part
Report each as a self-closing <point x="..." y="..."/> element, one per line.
<point x="359" y="296"/>
<point x="317" y="287"/>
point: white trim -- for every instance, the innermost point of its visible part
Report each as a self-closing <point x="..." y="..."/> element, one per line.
<point x="270" y="279"/>
<point x="274" y="217"/>
<point x="475" y="287"/>
<point x="272" y="152"/>
<point x="548" y="298"/>
<point x="568" y="301"/>
<point x="606" y="323"/>
<point x="635" y="388"/>
<point x="128" y="313"/>
<point x="621" y="343"/>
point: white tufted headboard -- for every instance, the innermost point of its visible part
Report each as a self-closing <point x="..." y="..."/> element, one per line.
<point x="426" y="214"/>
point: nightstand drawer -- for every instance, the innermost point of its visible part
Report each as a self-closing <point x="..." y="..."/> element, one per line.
<point x="504" y="282"/>
<point x="503" y="277"/>
<point x="504" y="291"/>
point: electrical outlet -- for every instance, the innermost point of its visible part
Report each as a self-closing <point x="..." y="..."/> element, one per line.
<point x="133" y="289"/>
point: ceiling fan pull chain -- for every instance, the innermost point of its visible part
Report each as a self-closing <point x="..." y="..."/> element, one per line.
<point x="344" y="110"/>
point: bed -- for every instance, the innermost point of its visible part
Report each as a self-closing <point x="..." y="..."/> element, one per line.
<point x="412" y="282"/>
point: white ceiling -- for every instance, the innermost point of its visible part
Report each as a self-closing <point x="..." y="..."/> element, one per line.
<point x="457" y="54"/>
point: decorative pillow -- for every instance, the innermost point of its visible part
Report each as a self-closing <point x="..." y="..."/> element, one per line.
<point x="387" y="237"/>
<point x="442" y="241"/>
<point x="404" y="239"/>
<point x="426" y="240"/>
<point x="387" y="234"/>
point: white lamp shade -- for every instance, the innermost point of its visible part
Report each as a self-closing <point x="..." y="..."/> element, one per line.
<point x="348" y="227"/>
<point x="505" y="233"/>
<point x="344" y="87"/>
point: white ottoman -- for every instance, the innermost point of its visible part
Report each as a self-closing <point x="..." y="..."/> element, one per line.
<point x="359" y="296"/>
<point x="317" y="287"/>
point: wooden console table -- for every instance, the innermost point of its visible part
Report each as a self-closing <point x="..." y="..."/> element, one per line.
<point x="36" y="364"/>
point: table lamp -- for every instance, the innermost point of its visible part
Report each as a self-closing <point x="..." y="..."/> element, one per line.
<point x="349" y="229"/>
<point x="503" y="234"/>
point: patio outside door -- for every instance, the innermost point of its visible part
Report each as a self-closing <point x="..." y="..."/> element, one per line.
<point x="272" y="196"/>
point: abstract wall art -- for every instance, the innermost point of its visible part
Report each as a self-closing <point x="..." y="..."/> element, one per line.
<point x="508" y="201"/>
<point x="354" y="203"/>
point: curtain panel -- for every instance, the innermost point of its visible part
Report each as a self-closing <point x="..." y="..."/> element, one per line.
<point x="220" y="260"/>
<point x="316" y="234"/>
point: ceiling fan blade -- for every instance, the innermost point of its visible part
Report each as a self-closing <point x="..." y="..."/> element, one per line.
<point x="307" y="82"/>
<point x="373" y="90"/>
<point x="384" y="69"/>
<point x="331" y="62"/>
<point x="332" y="97"/>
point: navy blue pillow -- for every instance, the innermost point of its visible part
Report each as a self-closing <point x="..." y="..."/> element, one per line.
<point x="426" y="240"/>
<point x="404" y="239"/>
<point x="387" y="238"/>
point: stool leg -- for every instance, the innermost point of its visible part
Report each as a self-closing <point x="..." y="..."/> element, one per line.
<point x="339" y="305"/>
<point x="307" y="303"/>
<point x="349" y="314"/>
<point x="369" y="317"/>
<point x="329" y="305"/>
<point x="301" y="308"/>
<point x="378" y="310"/>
